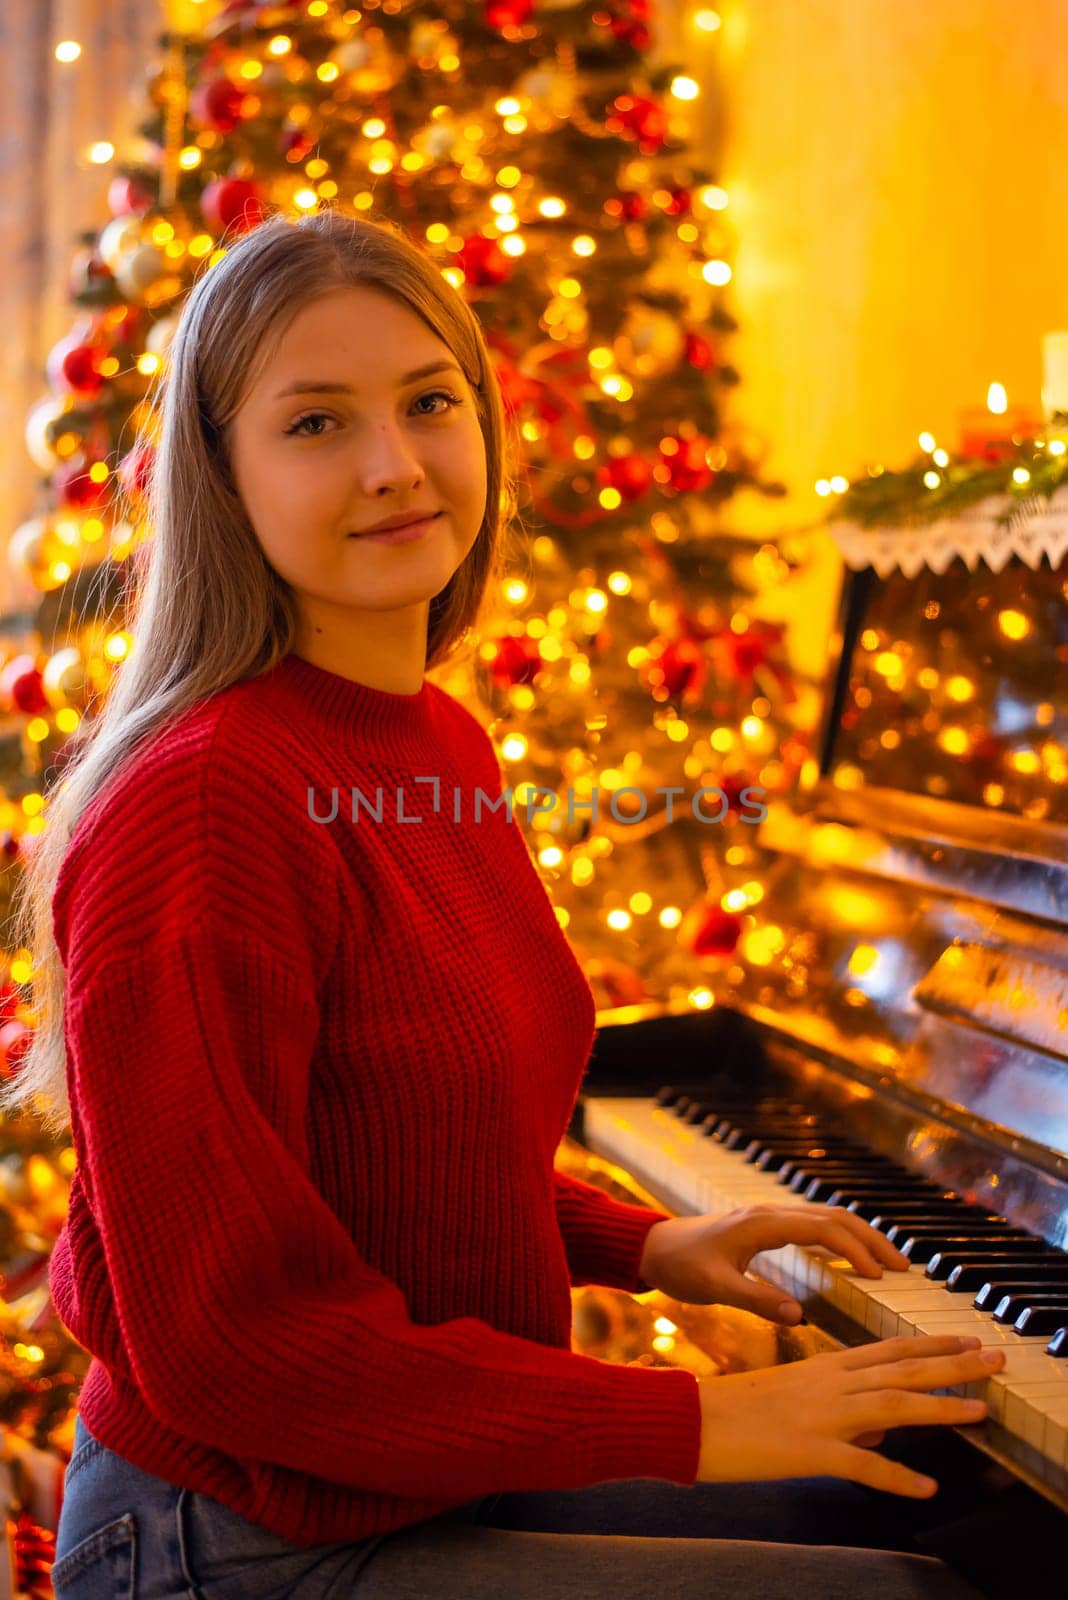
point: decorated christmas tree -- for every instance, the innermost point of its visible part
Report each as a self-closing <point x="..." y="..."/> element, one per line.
<point x="544" y="155"/>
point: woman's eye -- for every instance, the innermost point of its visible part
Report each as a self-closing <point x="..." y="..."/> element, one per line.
<point x="320" y="416"/>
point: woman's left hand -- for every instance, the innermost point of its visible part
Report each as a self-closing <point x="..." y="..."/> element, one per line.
<point x="702" y="1260"/>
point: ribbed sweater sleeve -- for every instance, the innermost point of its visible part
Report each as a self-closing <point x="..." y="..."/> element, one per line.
<point x="603" y="1238"/>
<point x="250" y="1321"/>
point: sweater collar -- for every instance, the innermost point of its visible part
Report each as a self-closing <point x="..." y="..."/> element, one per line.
<point x="357" y="708"/>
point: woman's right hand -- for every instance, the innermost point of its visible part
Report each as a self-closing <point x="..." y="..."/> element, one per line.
<point x="814" y="1417"/>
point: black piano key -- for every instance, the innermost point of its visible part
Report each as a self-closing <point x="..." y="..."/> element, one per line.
<point x="773" y="1157"/>
<point x="800" y="1148"/>
<point x="767" y="1158"/>
<point x="818" y="1186"/>
<point x="800" y="1172"/>
<point x="1010" y="1306"/>
<point x="849" y="1189"/>
<point x="994" y="1259"/>
<point x="922" y="1245"/>
<point x="968" y="1279"/>
<point x="741" y="1129"/>
<point x="955" y="1232"/>
<point x="1058" y="1345"/>
<point x="952" y="1220"/>
<point x="1035" y="1281"/>
<point x="789" y="1145"/>
<point x="874" y="1209"/>
<point x="1037" y="1321"/>
<point x="815" y="1147"/>
<point x="817" y="1164"/>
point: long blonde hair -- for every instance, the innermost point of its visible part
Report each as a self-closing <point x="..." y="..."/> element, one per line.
<point x="206" y="609"/>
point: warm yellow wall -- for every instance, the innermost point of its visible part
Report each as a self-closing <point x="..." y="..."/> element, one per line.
<point x="898" y="176"/>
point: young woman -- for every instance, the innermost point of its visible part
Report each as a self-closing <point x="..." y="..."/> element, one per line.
<point x="318" y="1034"/>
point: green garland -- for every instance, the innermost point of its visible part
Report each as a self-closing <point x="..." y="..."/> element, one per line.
<point x="902" y="499"/>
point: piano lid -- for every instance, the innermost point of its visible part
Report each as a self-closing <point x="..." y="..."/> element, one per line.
<point x="913" y="926"/>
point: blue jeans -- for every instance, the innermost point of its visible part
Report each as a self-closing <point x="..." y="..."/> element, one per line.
<point x="127" y="1535"/>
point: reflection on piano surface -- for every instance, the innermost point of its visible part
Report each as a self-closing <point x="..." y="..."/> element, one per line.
<point x="894" y="1037"/>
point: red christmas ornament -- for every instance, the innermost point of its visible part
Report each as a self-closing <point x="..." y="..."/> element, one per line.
<point x="231" y="202"/>
<point x="628" y="22"/>
<point x="295" y="144"/>
<point x="630" y="475"/>
<point x="78" y="490"/>
<point x="73" y="364"/>
<point x="636" y="118"/>
<point x="516" y="661"/>
<point x="218" y="104"/>
<point x="742" y="653"/>
<point x="681" y="201"/>
<point x="629" y="204"/>
<point x="699" y="353"/>
<point x="21" y="685"/>
<point x="681" y="668"/>
<point x="732" y="787"/>
<point x="686" y="463"/>
<point x="739" y="656"/>
<point x="129" y="196"/>
<point x="717" y="933"/>
<point x="483" y="262"/>
<point x="502" y="14"/>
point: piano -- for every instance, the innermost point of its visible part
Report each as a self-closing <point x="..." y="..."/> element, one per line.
<point x="891" y="1035"/>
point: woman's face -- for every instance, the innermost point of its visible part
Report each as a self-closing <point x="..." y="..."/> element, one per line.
<point x="315" y="468"/>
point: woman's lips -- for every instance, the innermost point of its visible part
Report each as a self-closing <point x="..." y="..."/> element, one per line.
<point x="405" y="535"/>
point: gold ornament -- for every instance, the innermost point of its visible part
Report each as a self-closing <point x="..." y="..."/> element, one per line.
<point x="120" y="235"/>
<point x="370" y="66"/>
<point x="551" y="94"/>
<point x="26" y="557"/>
<point x="43" y="425"/>
<point x="649" y="344"/>
<point x="139" y="270"/>
<point x="64" y="679"/>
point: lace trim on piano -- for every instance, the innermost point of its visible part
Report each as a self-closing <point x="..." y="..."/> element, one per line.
<point x="1036" y="528"/>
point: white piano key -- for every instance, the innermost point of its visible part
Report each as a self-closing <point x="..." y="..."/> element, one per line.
<point x="1055" y="1437"/>
<point x="1023" y="1416"/>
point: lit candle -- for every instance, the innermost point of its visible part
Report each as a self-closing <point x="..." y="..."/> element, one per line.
<point x="989" y="430"/>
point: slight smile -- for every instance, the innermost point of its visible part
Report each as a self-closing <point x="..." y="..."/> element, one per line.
<point x="403" y="535"/>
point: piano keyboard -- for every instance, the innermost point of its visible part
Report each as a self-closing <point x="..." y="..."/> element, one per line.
<point x="968" y="1270"/>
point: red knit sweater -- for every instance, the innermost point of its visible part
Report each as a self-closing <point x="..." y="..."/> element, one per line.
<point x="318" y="1072"/>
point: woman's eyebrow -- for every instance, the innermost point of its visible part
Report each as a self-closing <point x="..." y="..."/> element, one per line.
<point x="308" y="387"/>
